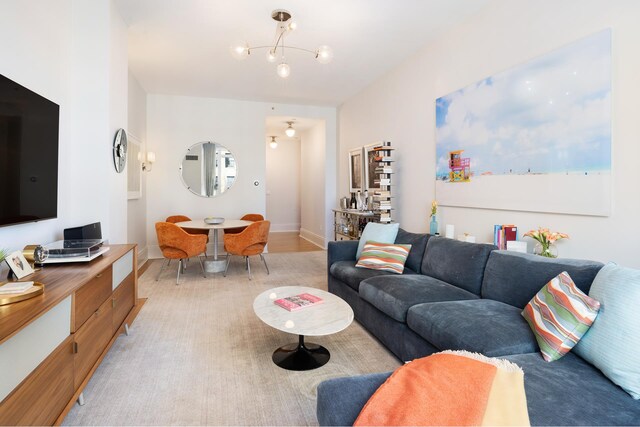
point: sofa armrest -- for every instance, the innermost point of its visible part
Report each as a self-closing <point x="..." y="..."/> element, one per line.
<point x="340" y="400"/>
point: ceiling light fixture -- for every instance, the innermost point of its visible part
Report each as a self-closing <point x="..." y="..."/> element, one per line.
<point x="273" y="143"/>
<point x="290" y="131"/>
<point x="284" y="26"/>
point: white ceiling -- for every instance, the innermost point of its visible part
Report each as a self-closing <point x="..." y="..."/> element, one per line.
<point x="181" y="47"/>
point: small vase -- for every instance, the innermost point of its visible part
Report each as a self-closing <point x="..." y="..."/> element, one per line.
<point x="433" y="225"/>
<point x="549" y="252"/>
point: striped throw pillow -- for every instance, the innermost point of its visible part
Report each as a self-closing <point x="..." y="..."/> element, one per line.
<point x="384" y="256"/>
<point x="559" y="315"/>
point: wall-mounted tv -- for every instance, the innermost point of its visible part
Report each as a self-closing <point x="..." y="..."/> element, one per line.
<point x="29" y="126"/>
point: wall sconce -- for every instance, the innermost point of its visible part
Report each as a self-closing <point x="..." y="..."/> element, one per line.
<point x="148" y="162"/>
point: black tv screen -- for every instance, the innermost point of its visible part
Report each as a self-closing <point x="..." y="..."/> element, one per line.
<point x="29" y="126"/>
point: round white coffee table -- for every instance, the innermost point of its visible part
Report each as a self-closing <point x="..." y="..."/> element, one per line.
<point x="331" y="316"/>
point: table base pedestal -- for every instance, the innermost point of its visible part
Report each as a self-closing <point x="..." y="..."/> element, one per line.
<point x="301" y="356"/>
<point x="214" y="266"/>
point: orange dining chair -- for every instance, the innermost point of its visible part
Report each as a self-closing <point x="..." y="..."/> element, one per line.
<point x="250" y="241"/>
<point x="181" y="218"/>
<point x="175" y="243"/>
<point x="247" y="217"/>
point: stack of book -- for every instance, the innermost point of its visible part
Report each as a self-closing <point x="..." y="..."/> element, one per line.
<point x="383" y="170"/>
<point x="504" y="233"/>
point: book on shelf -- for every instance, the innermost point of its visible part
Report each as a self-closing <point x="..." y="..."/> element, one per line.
<point x="383" y="170"/>
<point x="503" y="233"/>
<point x="382" y="193"/>
<point x="298" y="302"/>
<point x="382" y="158"/>
<point x="382" y="181"/>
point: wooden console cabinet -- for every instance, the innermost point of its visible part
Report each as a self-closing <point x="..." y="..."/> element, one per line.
<point x="51" y="345"/>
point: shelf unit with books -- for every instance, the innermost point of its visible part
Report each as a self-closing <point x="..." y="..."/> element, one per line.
<point x="382" y="196"/>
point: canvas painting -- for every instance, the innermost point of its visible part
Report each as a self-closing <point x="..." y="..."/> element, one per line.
<point x="355" y="170"/>
<point x="536" y="137"/>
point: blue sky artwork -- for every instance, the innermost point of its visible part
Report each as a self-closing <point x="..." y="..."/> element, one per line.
<point x="551" y="115"/>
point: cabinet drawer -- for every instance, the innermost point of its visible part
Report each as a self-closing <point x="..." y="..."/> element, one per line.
<point x="122" y="301"/>
<point x="88" y="298"/>
<point x="91" y="340"/>
<point x="44" y="394"/>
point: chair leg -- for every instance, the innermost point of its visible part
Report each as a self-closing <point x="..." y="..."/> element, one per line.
<point x="204" y="273"/>
<point x="180" y="264"/>
<point x="246" y="263"/>
<point x="227" y="266"/>
<point x="265" y="263"/>
<point x="249" y="269"/>
<point x="162" y="267"/>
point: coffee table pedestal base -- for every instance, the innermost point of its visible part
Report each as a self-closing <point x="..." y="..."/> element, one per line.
<point x="301" y="356"/>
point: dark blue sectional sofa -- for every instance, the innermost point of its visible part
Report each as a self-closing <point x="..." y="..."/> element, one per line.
<point x="467" y="296"/>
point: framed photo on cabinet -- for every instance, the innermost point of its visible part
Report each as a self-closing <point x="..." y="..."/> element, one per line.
<point x="355" y="170"/>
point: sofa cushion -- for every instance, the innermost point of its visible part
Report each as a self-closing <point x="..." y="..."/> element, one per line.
<point x="570" y="391"/>
<point x="514" y="278"/>
<point x="384" y="257"/>
<point x="395" y="295"/>
<point x="613" y="342"/>
<point x="347" y="272"/>
<point x="485" y="326"/>
<point x="458" y="263"/>
<point x="418" y="244"/>
<point x="559" y="315"/>
<point x="373" y="231"/>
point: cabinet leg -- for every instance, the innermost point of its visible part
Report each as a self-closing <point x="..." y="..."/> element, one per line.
<point x="126" y="329"/>
<point x="81" y="399"/>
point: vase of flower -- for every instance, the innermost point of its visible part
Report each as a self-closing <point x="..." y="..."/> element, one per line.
<point x="433" y="225"/>
<point x="545" y="241"/>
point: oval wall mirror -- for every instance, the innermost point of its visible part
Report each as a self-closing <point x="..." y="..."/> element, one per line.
<point x="208" y="169"/>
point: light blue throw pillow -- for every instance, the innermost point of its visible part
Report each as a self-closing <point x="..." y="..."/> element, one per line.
<point x="613" y="342"/>
<point x="381" y="233"/>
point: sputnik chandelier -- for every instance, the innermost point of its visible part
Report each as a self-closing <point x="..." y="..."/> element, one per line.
<point x="276" y="52"/>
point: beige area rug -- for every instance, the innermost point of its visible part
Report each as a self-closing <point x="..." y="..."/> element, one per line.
<point x="198" y="355"/>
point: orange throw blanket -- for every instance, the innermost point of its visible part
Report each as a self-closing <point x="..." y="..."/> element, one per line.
<point x="450" y="388"/>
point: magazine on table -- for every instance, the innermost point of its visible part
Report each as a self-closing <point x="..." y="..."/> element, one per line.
<point x="297" y="302"/>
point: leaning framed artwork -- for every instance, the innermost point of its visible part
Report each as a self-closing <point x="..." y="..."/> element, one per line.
<point x="18" y="264"/>
<point x="370" y="165"/>
<point x="355" y="170"/>
<point x="536" y="137"/>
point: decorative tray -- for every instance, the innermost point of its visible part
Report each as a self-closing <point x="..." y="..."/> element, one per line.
<point x="34" y="291"/>
<point x="212" y="220"/>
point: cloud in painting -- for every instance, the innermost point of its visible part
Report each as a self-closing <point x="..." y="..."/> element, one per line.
<point x="550" y="115"/>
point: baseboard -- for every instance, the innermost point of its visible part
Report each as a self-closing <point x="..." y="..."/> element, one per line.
<point x="314" y="238"/>
<point x="284" y="227"/>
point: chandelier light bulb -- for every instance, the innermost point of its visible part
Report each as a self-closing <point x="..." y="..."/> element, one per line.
<point x="284" y="70"/>
<point x="324" y="54"/>
<point x="292" y="25"/>
<point x="240" y="50"/>
<point x="290" y="131"/>
<point x="271" y="55"/>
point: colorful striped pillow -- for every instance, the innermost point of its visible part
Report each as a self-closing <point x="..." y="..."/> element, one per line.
<point x="559" y="315"/>
<point x="384" y="256"/>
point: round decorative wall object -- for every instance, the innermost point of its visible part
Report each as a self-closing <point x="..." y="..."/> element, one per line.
<point x="120" y="150"/>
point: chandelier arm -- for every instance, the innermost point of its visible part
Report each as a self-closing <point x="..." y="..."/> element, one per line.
<point x="313" y="52"/>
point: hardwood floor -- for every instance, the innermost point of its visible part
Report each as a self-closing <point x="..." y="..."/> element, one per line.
<point x="290" y="241"/>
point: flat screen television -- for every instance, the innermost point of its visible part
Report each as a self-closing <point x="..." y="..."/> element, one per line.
<point x="29" y="125"/>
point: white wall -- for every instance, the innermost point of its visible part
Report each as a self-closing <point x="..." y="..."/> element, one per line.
<point x="137" y="208"/>
<point x="283" y="184"/>
<point x="174" y="123"/>
<point x="72" y="52"/>
<point x="313" y="162"/>
<point x="401" y="107"/>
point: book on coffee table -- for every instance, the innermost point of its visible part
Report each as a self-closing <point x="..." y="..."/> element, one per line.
<point x="297" y="302"/>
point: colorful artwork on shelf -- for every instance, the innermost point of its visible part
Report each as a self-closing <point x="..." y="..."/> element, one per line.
<point x="536" y="137"/>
